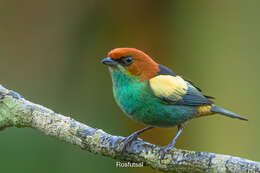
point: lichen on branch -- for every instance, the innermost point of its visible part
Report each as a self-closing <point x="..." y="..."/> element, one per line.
<point x="15" y="111"/>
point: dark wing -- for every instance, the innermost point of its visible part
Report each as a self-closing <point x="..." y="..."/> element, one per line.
<point x="166" y="71"/>
<point x="192" y="84"/>
<point x="209" y="97"/>
<point x="175" y="90"/>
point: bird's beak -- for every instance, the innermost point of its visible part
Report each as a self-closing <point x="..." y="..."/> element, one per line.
<point x="109" y="61"/>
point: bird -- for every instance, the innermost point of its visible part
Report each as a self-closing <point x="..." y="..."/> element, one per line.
<point x="154" y="95"/>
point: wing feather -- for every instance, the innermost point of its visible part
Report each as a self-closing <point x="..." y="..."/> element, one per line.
<point x="175" y="90"/>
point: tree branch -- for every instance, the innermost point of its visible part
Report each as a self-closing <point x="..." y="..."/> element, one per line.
<point x="18" y="112"/>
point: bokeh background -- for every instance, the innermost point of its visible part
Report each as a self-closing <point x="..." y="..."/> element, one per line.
<point x="50" y="52"/>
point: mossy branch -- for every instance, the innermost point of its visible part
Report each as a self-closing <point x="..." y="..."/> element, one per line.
<point x="18" y="112"/>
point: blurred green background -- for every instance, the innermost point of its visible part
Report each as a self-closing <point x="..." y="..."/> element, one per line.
<point x="50" y="52"/>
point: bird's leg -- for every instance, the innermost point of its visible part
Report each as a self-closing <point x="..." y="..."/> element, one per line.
<point x="171" y="145"/>
<point x="168" y="147"/>
<point x="128" y="140"/>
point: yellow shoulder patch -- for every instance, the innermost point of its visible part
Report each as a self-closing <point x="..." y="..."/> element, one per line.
<point x="167" y="86"/>
<point x="204" y="110"/>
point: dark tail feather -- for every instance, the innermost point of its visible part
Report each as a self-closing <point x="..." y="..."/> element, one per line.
<point x="226" y="112"/>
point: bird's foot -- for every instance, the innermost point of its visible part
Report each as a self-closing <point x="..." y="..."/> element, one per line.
<point x="169" y="147"/>
<point x="15" y="94"/>
<point x="165" y="149"/>
<point x="128" y="140"/>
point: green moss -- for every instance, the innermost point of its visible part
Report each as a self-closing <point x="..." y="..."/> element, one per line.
<point x="12" y="113"/>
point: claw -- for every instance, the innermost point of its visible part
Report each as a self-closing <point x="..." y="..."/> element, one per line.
<point x="169" y="147"/>
<point x="163" y="150"/>
<point x="14" y="94"/>
<point x="128" y="141"/>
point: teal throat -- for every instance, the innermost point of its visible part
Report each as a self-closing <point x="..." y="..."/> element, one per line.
<point x="137" y="100"/>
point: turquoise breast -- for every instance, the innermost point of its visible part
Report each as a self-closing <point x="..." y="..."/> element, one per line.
<point x="137" y="100"/>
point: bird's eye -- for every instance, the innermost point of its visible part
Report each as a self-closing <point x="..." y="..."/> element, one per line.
<point x="126" y="60"/>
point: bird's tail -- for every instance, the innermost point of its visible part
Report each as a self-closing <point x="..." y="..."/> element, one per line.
<point x="225" y="112"/>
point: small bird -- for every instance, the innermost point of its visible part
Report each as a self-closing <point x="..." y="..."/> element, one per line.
<point x="153" y="95"/>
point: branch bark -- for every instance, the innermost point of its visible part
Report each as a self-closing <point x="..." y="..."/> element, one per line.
<point x="15" y="111"/>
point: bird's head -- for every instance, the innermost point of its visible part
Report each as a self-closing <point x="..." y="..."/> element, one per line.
<point x="131" y="61"/>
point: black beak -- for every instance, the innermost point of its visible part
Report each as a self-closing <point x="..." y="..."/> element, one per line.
<point x="109" y="61"/>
